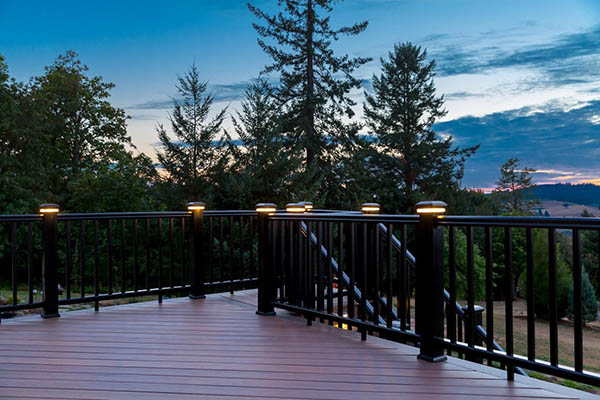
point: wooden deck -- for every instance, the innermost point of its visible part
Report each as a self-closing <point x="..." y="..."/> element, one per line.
<point x="219" y="348"/>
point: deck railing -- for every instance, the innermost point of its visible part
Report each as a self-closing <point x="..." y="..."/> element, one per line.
<point x="60" y="259"/>
<point x="357" y="271"/>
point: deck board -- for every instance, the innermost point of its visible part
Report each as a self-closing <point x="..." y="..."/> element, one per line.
<point x="218" y="348"/>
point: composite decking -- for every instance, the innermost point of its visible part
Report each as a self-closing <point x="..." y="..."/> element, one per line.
<point x="218" y="348"/>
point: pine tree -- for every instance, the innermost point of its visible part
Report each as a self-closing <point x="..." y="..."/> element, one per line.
<point x="414" y="162"/>
<point x="260" y="166"/>
<point x="511" y="186"/>
<point x="189" y="161"/>
<point x="314" y="83"/>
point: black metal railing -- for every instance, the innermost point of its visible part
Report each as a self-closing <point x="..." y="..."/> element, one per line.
<point x="357" y="271"/>
<point x="66" y="259"/>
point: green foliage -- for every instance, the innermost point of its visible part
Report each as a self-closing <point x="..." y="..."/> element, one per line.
<point x="589" y="301"/>
<point x="61" y="140"/>
<point x="190" y="160"/>
<point x="413" y="161"/>
<point x="261" y="165"/>
<point x="564" y="280"/>
<point x="461" y="268"/>
<point x="313" y="93"/>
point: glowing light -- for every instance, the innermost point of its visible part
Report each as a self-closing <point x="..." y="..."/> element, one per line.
<point x="370" y="208"/>
<point x="295" y="208"/>
<point x="431" y="207"/>
<point x="266" y="207"/>
<point x="308" y="206"/>
<point x="49" y="209"/>
<point x="196" y="206"/>
<point x="433" y="210"/>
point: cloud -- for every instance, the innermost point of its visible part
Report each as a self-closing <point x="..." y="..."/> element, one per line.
<point x="561" y="142"/>
<point x="567" y="59"/>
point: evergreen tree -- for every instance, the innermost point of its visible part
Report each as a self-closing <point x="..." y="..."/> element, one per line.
<point x="512" y="187"/>
<point x="190" y="159"/>
<point x="414" y="162"/>
<point x="589" y="301"/>
<point x="314" y="83"/>
<point x="260" y="166"/>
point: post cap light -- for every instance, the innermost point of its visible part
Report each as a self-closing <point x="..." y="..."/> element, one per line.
<point x="196" y="206"/>
<point x="266" y="207"/>
<point x="431" y="207"/>
<point x="370" y="208"/>
<point x="49" y="208"/>
<point x="308" y="206"/>
<point x="294" y="208"/>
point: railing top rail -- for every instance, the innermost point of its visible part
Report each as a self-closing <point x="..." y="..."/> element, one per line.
<point x="522" y="222"/>
<point x="346" y="216"/>
<point x="123" y="215"/>
<point x="20" y="217"/>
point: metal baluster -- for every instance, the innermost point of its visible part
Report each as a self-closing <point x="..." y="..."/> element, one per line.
<point x="123" y="256"/>
<point x="552" y="297"/>
<point x="183" y="280"/>
<point x="13" y="261"/>
<point x="377" y="275"/>
<point x="402" y="280"/>
<point x="407" y="274"/>
<point x="330" y="269"/>
<point x="135" y="255"/>
<point x="148" y="261"/>
<point x="283" y="266"/>
<point x="577" y="303"/>
<point x="160" y="260"/>
<point x="221" y="250"/>
<point x="30" y="260"/>
<point x="510" y="371"/>
<point x="489" y="292"/>
<point x="96" y="267"/>
<point x="352" y="272"/>
<point x="109" y="263"/>
<point x="340" y="288"/>
<point x="171" y="253"/>
<point x="241" y="247"/>
<point x="320" y="272"/>
<point x="390" y="233"/>
<point x="68" y="260"/>
<point x="470" y="318"/>
<point x="530" y="295"/>
<point x="231" y="255"/>
<point x="252" y="260"/>
<point x="365" y="278"/>
<point x="451" y="311"/>
<point x="81" y="257"/>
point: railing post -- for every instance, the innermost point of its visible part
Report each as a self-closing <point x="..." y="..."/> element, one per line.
<point x="197" y="276"/>
<point x="372" y="257"/>
<point x="266" y="272"/>
<point x="476" y="340"/>
<point x="429" y="297"/>
<point x="50" y="260"/>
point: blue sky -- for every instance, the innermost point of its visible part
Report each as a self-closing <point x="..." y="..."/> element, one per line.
<point x="521" y="78"/>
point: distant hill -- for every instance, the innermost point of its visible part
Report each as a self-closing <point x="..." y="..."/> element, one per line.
<point x="564" y="209"/>
<point x="584" y="194"/>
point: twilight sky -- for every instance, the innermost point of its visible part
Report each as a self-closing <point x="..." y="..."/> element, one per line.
<point x="520" y="77"/>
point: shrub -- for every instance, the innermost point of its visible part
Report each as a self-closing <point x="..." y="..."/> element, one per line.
<point x="589" y="302"/>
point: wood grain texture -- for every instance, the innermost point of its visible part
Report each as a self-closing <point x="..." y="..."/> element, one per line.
<point x="218" y="348"/>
